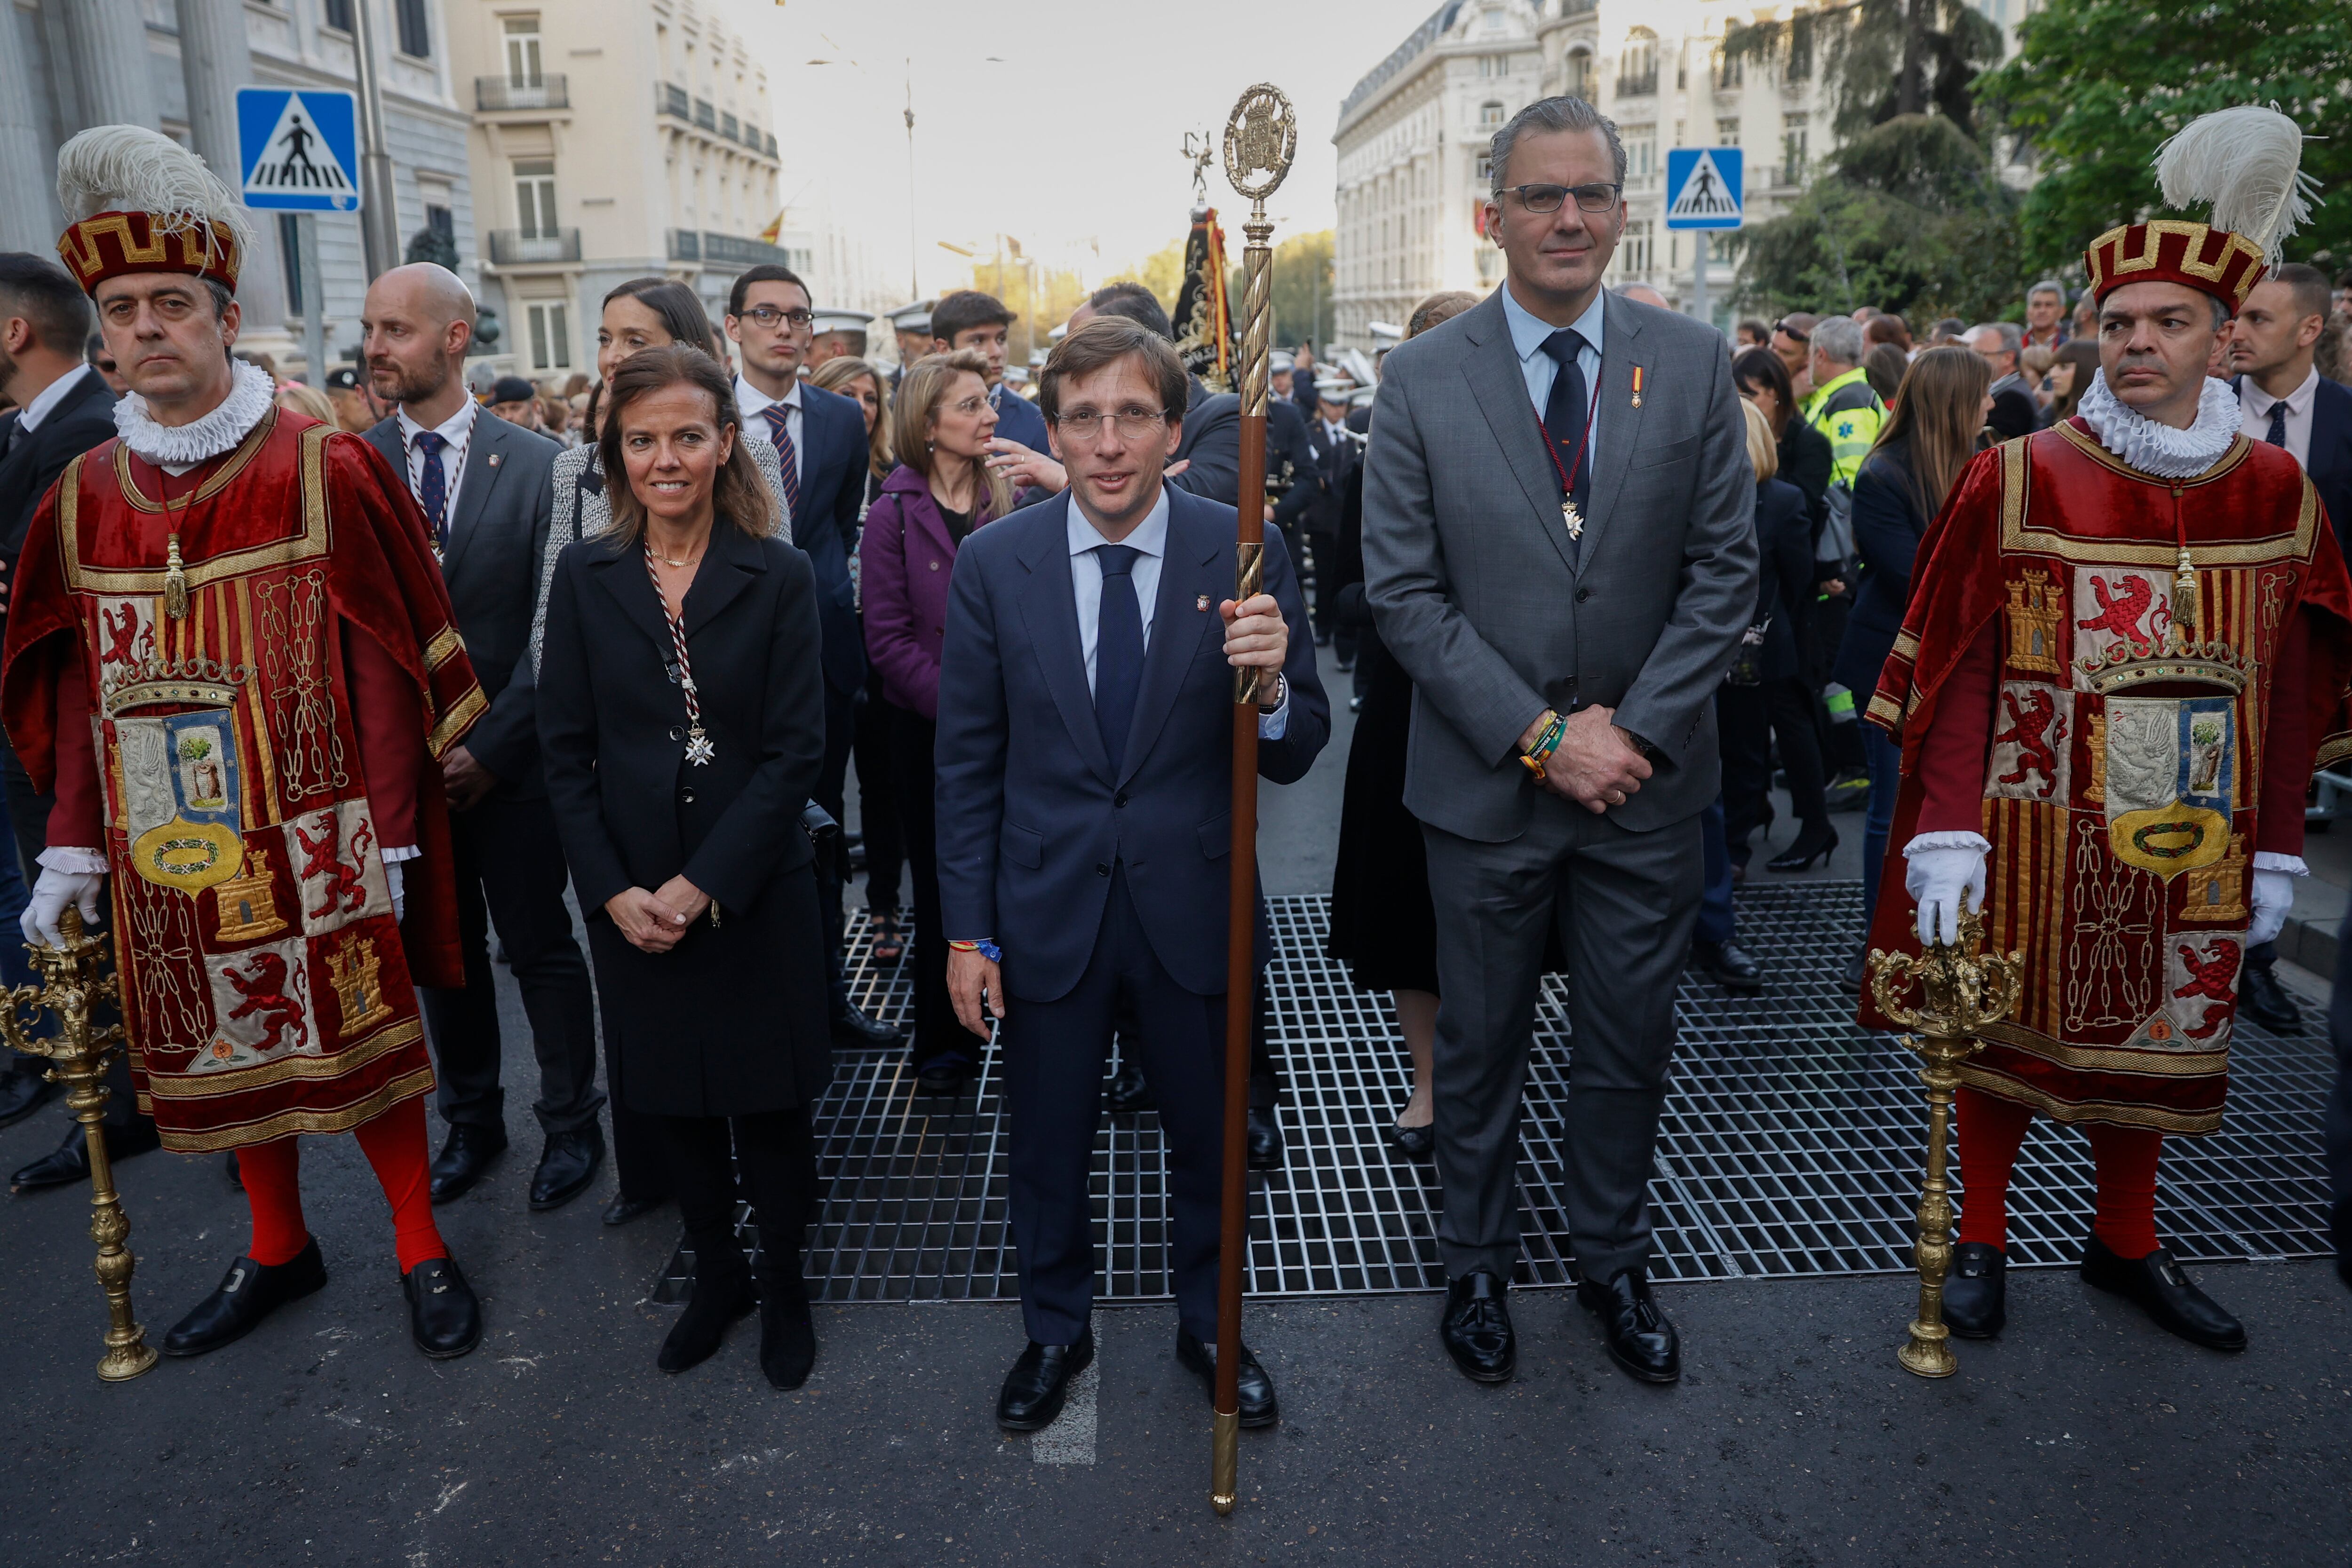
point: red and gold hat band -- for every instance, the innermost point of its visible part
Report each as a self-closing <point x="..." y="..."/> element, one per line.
<point x="2173" y="250"/>
<point x="109" y="244"/>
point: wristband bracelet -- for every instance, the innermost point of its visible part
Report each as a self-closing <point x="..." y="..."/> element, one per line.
<point x="984" y="947"/>
<point x="1545" y="743"/>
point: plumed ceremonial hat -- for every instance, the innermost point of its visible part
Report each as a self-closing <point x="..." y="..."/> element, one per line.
<point x="137" y="201"/>
<point x="2245" y="164"/>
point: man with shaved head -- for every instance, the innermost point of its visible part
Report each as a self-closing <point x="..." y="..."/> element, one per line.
<point x="487" y="490"/>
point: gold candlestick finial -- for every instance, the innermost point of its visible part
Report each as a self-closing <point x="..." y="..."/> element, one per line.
<point x="1961" y="992"/>
<point x="75" y="978"/>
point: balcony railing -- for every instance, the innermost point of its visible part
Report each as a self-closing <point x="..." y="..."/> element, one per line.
<point x="670" y="98"/>
<point x="733" y="249"/>
<point x="729" y="129"/>
<point x="512" y="247"/>
<point x="1637" y="86"/>
<point x="706" y="114"/>
<point x="684" y="244"/>
<point x="495" y="93"/>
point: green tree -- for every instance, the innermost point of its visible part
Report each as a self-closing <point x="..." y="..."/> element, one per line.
<point x="1881" y="58"/>
<point x="1302" y="289"/>
<point x="2098" y="85"/>
<point x="1908" y="216"/>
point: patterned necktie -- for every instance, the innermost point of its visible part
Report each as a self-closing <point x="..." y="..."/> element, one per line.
<point x="1118" y="650"/>
<point x="779" y="418"/>
<point x="433" y="489"/>
<point x="1565" y="411"/>
<point x="2277" y="436"/>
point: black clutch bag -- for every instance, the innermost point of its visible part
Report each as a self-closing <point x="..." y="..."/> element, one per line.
<point x="824" y="837"/>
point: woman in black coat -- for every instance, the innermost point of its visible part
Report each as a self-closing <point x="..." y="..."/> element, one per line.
<point x="681" y="715"/>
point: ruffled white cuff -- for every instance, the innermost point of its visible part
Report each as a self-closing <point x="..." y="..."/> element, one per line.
<point x="1948" y="841"/>
<point x="2268" y="859"/>
<point x="404" y="852"/>
<point x="87" y="862"/>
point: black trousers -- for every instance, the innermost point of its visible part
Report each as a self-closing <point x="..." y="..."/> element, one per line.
<point x="1054" y="1057"/>
<point x="877" y="803"/>
<point x="840" y="730"/>
<point x="1751" y="718"/>
<point x="776" y="1157"/>
<point x="511" y="873"/>
<point x="1265" y="1078"/>
<point x="937" y="1037"/>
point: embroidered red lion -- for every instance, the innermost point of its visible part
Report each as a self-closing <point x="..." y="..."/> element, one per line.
<point x="2213" y="977"/>
<point x="2120" y="615"/>
<point x="123" y="639"/>
<point x="344" y="890"/>
<point x="2038" y="731"/>
<point x="264" y="990"/>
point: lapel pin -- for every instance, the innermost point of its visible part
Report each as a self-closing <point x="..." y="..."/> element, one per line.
<point x="1637" y="386"/>
<point x="1201" y="603"/>
<point x="496" y="455"/>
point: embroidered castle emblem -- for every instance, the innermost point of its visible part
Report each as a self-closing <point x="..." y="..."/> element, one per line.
<point x="351" y="969"/>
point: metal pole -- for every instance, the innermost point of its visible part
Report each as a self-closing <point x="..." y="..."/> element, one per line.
<point x="314" y="301"/>
<point x="1699" y="275"/>
<point x="379" y="208"/>
<point x="914" y="253"/>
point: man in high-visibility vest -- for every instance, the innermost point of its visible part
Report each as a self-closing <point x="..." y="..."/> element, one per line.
<point x="1847" y="412"/>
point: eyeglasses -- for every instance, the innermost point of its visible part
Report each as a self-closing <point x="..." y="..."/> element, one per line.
<point x="1598" y="198"/>
<point x="1794" y="336"/>
<point x="1132" y="424"/>
<point x="767" y="316"/>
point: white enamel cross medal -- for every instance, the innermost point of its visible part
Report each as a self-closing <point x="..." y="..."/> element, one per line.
<point x="1572" y="518"/>
<point x="698" y="749"/>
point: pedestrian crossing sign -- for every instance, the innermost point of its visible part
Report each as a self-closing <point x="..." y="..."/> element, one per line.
<point x="1703" y="188"/>
<point x="299" y="150"/>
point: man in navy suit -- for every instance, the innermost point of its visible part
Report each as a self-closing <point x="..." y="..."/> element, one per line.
<point x="1084" y="800"/>
<point x="971" y="319"/>
<point x="2284" y="399"/>
<point x="820" y="439"/>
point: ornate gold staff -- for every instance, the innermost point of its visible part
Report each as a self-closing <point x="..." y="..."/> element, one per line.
<point x="1961" y="993"/>
<point x="1260" y="138"/>
<point x="74" y="980"/>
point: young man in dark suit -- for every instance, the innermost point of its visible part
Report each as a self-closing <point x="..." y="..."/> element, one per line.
<point x="63" y="409"/>
<point x="486" y="489"/>
<point x="971" y="319"/>
<point x="821" y="450"/>
<point x="1084" y="797"/>
<point x="2284" y="399"/>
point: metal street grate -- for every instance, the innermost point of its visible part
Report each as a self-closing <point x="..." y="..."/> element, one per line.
<point x="1790" y="1144"/>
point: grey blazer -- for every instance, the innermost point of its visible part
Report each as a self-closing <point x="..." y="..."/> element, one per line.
<point x="1478" y="593"/>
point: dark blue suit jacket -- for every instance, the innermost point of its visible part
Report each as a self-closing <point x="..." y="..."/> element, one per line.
<point x="833" y="483"/>
<point x="1030" y="815"/>
<point x="2331" y="455"/>
<point x="1017" y="418"/>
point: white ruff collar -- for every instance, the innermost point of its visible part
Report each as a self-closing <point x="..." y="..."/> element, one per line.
<point x="2158" y="449"/>
<point x="178" y="446"/>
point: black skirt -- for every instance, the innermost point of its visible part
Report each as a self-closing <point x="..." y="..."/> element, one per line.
<point x="1383" y="925"/>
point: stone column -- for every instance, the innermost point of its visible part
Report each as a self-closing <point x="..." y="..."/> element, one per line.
<point x="214" y="61"/>
<point x="108" y="42"/>
<point x="26" y="171"/>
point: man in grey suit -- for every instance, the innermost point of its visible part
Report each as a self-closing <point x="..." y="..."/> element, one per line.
<point x="486" y="489"/>
<point x="1559" y="548"/>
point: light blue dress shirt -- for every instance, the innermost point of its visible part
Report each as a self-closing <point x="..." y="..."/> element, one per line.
<point x="1529" y="332"/>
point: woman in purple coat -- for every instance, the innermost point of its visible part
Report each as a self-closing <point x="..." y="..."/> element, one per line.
<point x="941" y="491"/>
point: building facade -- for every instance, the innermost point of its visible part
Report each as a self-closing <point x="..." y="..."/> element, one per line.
<point x="610" y="140"/>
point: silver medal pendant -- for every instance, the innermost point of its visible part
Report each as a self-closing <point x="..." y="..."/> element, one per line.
<point x="1573" y="519"/>
<point x="698" y="749"/>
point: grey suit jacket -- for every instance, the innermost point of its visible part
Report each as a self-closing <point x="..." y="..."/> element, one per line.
<point x="498" y="532"/>
<point x="1478" y="593"/>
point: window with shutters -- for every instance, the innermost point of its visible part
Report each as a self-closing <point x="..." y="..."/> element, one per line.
<point x="550" y="328"/>
<point x="534" y="182"/>
<point x="523" y="52"/>
<point x="409" y="20"/>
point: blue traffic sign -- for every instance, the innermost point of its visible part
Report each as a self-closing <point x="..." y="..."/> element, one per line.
<point x="1703" y="188"/>
<point x="299" y="151"/>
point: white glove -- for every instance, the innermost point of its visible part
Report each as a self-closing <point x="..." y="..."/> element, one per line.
<point x="391" y="881"/>
<point x="1943" y="869"/>
<point x="51" y="892"/>
<point x="2273" y="896"/>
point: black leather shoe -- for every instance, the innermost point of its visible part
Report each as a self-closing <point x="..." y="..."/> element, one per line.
<point x="624" y="1208"/>
<point x="1975" y="1291"/>
<point x="787" y="1334"/>
<point x="2164" y="1292"/>
<point x="1412" y="1143"/>
<point x="1641" y="1341"/>
<point x="1127" y="1092"/>
<point x="721" y="1296"/>
<point x="1033" y="1390"/>
<point x="853" y="1031"/>
<point x="1264" y="1140"/>
<point x="24" y="1090"/>
<point x="1733" y="970"/>
<point x="249" y="1293"/>
<point x="2262" y="999"/>
<point x="1252" y="1389"/>
<point x="951" y="1077"/>
<point x="566" y="1166"/>
<point x="1477" y="1328"/>
<point x="1857" y="970"/>
<point x="466" y="1154"/>
<point x="444" y="1318"/>
<point x="70" y="1161"/>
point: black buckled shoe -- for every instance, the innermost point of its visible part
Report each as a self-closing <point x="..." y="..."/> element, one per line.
<point x="1975" y="1291"/>
<point x="1641" y="1341"/>
<point x="1252" y="1389"/>
<point x="249" y="1293"/>
<point x="24" y="1090"/>
<point x="1128" y="1092"/>
<point x="567" y="1164"/>
<point x="722" y="1295"/>
<point x="1265" y="1138"/>
<point x="854" y="1030"/>
<point x="465" y="1158"/>
<point x="1033" y="1390"/>
<point x="2164" y="1292"/>
<point x="787" y="1332"/>
<point x="1477" y="1328"/>
<point x="2262" y="998"/>
<point x="70" y="1161"/>
<point x="444" y="1318"/>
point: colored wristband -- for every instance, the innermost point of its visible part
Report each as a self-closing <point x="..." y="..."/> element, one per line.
<point x="984" y="947"/>
<point x="1545" y="743"/>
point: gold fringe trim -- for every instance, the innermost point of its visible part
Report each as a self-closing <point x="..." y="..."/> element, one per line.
<point x="454" y="722"/>
<point x="408" y="1086"/>
<point x="2154" y="1118"/>
<point x="262" y="1076"/>
<point x="445" y="645"/>
<point x="2109" y="1058"/>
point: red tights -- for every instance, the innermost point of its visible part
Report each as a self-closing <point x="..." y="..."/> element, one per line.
<point x="394" y="1145"/>
<point x="1991" y="1129"/>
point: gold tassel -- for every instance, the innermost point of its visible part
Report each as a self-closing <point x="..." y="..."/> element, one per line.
<point x="2184" y="598"/>
<point x="175" y="583"/>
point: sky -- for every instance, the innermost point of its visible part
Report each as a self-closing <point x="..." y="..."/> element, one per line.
<point x="1058" y="122"/>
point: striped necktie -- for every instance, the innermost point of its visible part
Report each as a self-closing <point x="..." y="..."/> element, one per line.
<point x="779" y="418"/>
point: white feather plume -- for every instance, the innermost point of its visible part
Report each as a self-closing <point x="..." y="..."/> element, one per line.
<point x="2247" y="162"/>
<point x="128" y="168"/>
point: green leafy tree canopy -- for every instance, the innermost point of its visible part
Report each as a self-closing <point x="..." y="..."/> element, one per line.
<point x="1881" y="58"/>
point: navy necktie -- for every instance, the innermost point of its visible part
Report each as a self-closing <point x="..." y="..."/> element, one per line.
<point x="1564" y="414"/>
<point x="2277" y="436"/>
<point x="779" y="417"/>
<point x="433" y="488"/>
<point x="1118" y="650"/>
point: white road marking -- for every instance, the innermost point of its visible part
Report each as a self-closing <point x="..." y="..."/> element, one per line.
<point x="1070" y="1440"/>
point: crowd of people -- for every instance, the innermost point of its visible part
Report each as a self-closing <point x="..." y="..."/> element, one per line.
<point x="315" y="695"/>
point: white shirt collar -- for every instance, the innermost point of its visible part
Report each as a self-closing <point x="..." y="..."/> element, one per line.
<point x="749" y="399"/>
<point x="453" y="430"/>
<point x="2297" y="401"/>
<point x="1529" y="331"/>
<point x="1150" y="537"/>
<point x="50" y="396"/>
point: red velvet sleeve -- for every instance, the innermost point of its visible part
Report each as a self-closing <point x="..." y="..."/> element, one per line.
<point x="392" y="748"/>
<point x="78" y="820"/>
<point x="1952" y="753"/>
<point x="2287" y="744"/>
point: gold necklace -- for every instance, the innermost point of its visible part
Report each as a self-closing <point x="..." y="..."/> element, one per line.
<point x="667" y="561"/>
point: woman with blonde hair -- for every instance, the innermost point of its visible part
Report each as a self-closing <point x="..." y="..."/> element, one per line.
<point x="859" y="381"/>
<point x="1935" y="425"/>
<point x="941" y="490"/>
<point x="306" y="400"/>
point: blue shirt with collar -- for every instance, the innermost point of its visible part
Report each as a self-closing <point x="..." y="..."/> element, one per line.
<point x="1528" y="334"/>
